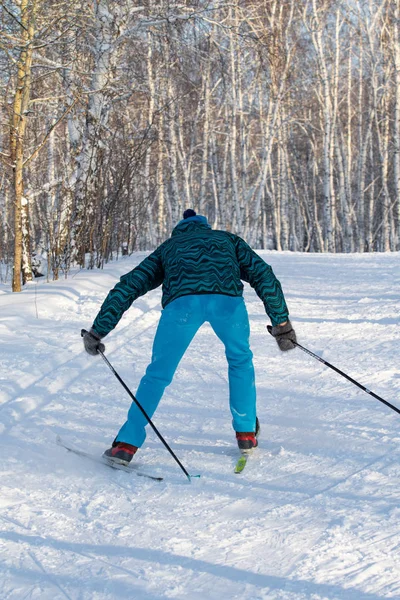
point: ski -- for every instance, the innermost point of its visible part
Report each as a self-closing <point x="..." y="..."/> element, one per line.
<point x="242" y="462"/>
<point x="270" y="450"/>
<point x="103" y="460"/>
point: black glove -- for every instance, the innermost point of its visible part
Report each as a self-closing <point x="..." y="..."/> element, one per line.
<point x="92" y="342"/>
<point x="284" y="335"/>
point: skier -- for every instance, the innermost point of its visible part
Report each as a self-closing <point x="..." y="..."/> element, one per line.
<point x="200" y="270"/>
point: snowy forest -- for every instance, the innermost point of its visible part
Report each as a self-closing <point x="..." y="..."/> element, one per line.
<point x="279" y="120"/>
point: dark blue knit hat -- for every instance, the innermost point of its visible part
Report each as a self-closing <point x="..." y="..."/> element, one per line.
<point x="189" y="212"/>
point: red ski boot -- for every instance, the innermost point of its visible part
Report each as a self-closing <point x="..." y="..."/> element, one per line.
<point x="248" y="439"/>
<point x="120" y="452"/>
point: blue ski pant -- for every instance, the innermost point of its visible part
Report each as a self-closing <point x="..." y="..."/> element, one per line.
<point x="179" y="322"/>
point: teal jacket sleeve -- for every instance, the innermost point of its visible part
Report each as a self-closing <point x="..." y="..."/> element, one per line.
<point x="255" y="271"/>
<point x="148" y="275"/>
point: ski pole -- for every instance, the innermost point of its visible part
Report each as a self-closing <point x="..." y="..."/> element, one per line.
<point x="325" y="362"/>
<point x="140" y="407"/>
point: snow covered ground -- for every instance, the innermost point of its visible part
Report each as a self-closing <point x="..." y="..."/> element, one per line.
<point x="316" y="513"/>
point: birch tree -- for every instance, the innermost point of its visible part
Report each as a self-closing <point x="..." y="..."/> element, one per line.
<point x="395" y="38"/>
<point x="19" y="118"/>
<point x="278" y="120"/>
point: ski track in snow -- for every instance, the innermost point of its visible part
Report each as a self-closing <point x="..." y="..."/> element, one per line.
<point x="315" y="515"/>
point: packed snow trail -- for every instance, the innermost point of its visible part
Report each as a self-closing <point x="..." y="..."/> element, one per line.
<point x="314" y="515"/>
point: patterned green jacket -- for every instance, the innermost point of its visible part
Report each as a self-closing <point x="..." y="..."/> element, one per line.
<point x="195" y="260"/>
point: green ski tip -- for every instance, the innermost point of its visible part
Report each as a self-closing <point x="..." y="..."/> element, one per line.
<point x="241" y="463"/>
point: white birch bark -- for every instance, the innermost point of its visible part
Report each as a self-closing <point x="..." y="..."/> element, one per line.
<point x="96" y="120"/>
<point x="363" y="142"/>
<point x="362" y="235"/>
<point x="206" y="95"/>
<point x="396" y="44"/>
<point x="49" y="237"/>
<point x="233" y="129"/>
<point x="346" y="229"/>
<point x="349" y="158"/>
<point x="276" y="92"/>
<point x="174" y="197"/>
<point x="241" y="74"/>
<point x="382" y="135"/>
<point x="317" y="238"/>
<point x="218" y="185"/>
<point x="22" y="262"/>
<point x="149" y="150"/>
<point x="276" y="208"/>
<point x="283" y="182"/>
<point x="162" y="208"/>
<point x="317" y="38"/>
<point x="370" y="237"/>
<point x="185" y="157"/>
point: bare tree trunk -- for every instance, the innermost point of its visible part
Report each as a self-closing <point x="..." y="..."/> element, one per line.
<point x="362" y="156"/>
<point x="233" y="128"/>
<point x="96" y="119"/>
<point x="174" y="196"/>
<point x="185" y="156"/>
<point x="396" y="42"/>
<point x="283" y="182"/>
<point x="216" y="182"/>
<point x="383" y="141"/>
<point x="162" y="210"/>
<point x="150" y="125"/>
<point x="22" y="263"/>
<point x="362" y="166"/>
<point x="346" y="212"/>
<point x="371" y="206"/>
<point x="206" y="95"/>
<point x="327" y="131"/>
<point x="276" y="209"/>
<point x="349" y="157"/>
